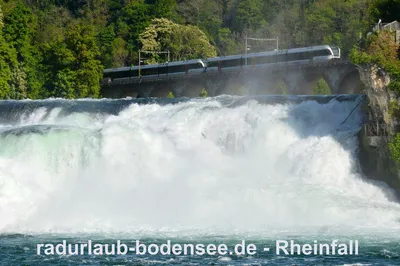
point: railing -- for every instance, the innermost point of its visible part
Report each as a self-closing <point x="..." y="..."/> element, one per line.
<point x="392" y="26"/>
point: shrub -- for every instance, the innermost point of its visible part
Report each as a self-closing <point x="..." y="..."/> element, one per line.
<point x="203" y="93"/>
<point x="171" y="95"/>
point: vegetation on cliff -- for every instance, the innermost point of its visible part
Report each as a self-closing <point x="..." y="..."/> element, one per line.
<point x="59" y="47"/>
<point x="387" y="10"/>
<point x="394" y="147"/>
<point x="380" y="48"/>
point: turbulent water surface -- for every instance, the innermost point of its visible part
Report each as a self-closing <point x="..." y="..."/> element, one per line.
<point x="214" y="170"/>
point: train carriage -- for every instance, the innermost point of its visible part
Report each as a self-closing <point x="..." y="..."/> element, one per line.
<point x="227" y="63"/>
<point x="188" y="67"/>
<point x="304" y="55"/>
<point x="155" y="71"/>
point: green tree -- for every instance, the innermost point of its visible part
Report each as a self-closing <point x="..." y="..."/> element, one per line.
<point x="38" y="58"/>
<point x="226" y="42"/>
<point x="211" y="19"/>
<point x="73" y="62"/>
<point x="1" y="19"/>
<point x="119" y="52"/>
<point x="249" y="16"/>
<point x="106" y="38"/>
<point x="336" y="22"/>
<point x="286" y="24"/>
<point x="183" y="42"/>
<point x="96" y="13"/>
<point x="136" y="16"/>
<point x="8" y="59"/>
<point x="387" y="10"/>
<point x="322" y="88"/>
<point x="163" y="8"/>
<point x="18" y="31"/>
<point x="51" y="25"/>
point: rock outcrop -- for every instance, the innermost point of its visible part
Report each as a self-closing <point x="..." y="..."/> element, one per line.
<point x="375" y="159"/>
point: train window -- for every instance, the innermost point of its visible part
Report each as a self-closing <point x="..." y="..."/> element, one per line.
<point x="134" y="73"/>
<point x="195" y="66"/>
<point x="252" y="61"/>
<point x="265" y="59"/>
<point x="335" y="51"/>
<point x="232" y="63"/>
<point x="176" y="69"/>
<point x="294" y="56"/>
<point x="274" y="58"/>
<point x="318" y="53"/>
<point x="322" y="53"/>
<point x="297" y="56"/>
<point x="121" y="74"/>
<point x="281" y="57"/>
<point x="261" y="60"/>
<point x="306" y="55"/>
<point x="149" y="71"/>
<point x="162" y="70"/>
<point x="212" y="64"/>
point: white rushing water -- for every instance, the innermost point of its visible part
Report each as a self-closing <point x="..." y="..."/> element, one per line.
<point x="196" y="165"/>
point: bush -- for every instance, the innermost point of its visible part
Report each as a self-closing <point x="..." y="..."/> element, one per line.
<point x="203" y="93"/>
<point x="322" y="88"/>
<point x="380" y="49"/>
<point x="394" y="147"/>
<point x="170" y="95"/>
<point x="281" y="88"/>
<point x="394" y="109"/>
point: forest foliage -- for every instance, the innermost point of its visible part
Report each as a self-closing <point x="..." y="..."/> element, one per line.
<point x="380" y="49"/>
<point x="58" y="48"/>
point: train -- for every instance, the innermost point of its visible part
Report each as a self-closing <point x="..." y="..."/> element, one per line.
<point x="304" y="55"/>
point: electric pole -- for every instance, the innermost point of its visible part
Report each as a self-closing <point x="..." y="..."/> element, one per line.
<point x="246" y="48"/>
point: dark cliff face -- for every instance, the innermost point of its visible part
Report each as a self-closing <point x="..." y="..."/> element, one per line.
<point x="376" y="82"/>
<point x="374" y="138"/>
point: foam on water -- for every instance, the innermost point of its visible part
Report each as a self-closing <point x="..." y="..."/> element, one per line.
<point x="195" y="166"/>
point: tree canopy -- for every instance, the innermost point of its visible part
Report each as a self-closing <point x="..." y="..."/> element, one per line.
<point x="182" y="41"/>
<point x="58" y="48"/>
<point x="386" y="10"/>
